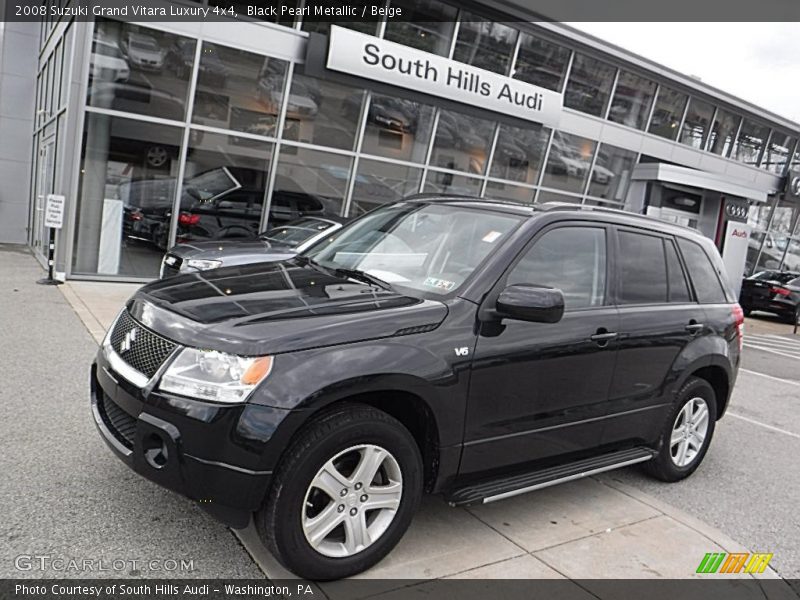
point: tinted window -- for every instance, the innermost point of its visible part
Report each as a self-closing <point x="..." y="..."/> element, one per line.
<point x="678" y="289"/>
<point x="642" y="270"/>
<point x="572" y="259"/>
<point x="704" y="276"/>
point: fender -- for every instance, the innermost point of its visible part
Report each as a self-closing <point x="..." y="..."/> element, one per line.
<point x="707" y="351"/>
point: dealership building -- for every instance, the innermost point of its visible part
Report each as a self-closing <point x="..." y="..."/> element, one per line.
<point x="175" y="131"/>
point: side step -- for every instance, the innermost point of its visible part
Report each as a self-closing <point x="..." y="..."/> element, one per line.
<point x="498" y="489"/>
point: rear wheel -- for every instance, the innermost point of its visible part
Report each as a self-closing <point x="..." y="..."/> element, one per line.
<point x="344" y="494"/>
<point x="687" y="433"/>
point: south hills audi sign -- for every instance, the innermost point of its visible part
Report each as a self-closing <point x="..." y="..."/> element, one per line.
<point x="366" y="56"/>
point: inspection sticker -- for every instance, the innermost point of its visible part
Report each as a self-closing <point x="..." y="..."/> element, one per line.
<point x="441" y="284"/>
<point x="491" y="237"/>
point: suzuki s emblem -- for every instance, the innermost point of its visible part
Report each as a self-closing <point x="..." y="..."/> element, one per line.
<point x="463" y="351"/>
<point x="127" y="341"/>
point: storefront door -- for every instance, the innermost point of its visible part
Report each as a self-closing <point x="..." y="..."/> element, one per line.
<point x="45" y="171"/>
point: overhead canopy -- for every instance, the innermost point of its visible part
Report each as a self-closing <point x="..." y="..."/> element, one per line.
<point x="697" y="179"/>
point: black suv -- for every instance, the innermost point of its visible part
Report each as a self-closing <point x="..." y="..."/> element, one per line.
<point x="463" y="347"/>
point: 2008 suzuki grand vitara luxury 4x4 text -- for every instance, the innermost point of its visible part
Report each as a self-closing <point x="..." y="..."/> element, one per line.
<point x="470" y="348"/>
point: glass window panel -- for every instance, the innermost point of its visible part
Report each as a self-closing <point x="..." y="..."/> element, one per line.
<point x="792" y="260"/>
<point x="321" y="112"/>
<point x="239" y="90"/>
<point x="462" y="142"/>
<point x="696" y="125"/>
<point x="541" y="62"/>
<point x="678" y="288"/>
<point x="427" y="25"/>
<point x="776" y="156"/>
<point x="308" y="182"/>
<point x="398" y="128"/>
<point x="702" y="272"/>
<point x="438" y="182"/>
<point x="785" y="215"/>
<point x="568" y="162"/>
<point x="64" y="89"/>
<point x="139" y="70"/>
<point x="772" y="249"/>
<point x="752" y="138"/>
<point x="379" y="182"/>
<point x="589" y="85"/>
<point x="548" y="196"/>
<point x="519" y="152"/>
<point x="485" y="44"/>
<point x="611" y="173"/>
<point x="127" y="188"/>
<point x="723" y="132"/>
<point x="632" y="100"/>
<point x="758" y="215"/>
<point x="501" y="190"/>
<point x="642" y="269"/>
<point x="667" y="113"/>
<point x="223" y="188"/>
<point x="572" y="259"/>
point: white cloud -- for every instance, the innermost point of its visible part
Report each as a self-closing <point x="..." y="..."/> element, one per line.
<point x="757" y="62"/>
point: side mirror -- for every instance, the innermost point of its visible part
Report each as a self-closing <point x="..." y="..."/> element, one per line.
<point x="531" y="303"/>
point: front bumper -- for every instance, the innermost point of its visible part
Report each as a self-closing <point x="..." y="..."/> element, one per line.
<point x="217" y="455"/>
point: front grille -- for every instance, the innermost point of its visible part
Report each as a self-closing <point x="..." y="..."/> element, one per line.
<point x="141" y="348"/>
<point x="121" y="425"/>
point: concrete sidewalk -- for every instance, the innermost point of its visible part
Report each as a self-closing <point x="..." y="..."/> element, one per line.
<point x="592" y="528"/>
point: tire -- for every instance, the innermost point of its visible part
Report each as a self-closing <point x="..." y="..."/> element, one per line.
<point x="668" y="465"/>
<point x="293" y="501"/>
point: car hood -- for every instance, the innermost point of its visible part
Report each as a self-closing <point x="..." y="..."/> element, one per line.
<point x="227" y="248"/>
<point x="273" y="308"/>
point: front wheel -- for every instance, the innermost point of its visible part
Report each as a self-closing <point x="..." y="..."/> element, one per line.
<point x="343" y="495"/>
<point x="687" y="433"/>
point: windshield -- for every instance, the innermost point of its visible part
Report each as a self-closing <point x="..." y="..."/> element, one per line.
<point x="430" y="248"/>
<point x="210" y="184"/>
<point x="782" y="277"/>
<point x="295" y="234"/>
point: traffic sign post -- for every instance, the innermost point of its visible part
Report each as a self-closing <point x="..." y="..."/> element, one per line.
<point x="53" y="219"/>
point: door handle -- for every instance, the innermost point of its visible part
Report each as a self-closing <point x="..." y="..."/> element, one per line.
<point x="694" y="328"/>
<point x="602" y="337"/>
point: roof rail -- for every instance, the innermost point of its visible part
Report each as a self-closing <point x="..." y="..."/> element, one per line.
<point x="546" y="206"/>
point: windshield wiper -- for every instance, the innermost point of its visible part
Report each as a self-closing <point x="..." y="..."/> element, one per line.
<point x="363" y="277"/>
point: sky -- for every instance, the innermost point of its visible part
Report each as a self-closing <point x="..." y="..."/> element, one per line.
<point x="757" y="62"/>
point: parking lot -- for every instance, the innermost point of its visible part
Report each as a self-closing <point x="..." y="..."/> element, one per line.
<point x="67" y="496"/>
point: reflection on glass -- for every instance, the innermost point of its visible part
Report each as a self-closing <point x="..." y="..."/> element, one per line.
<point x="223" y="188"/>
<point x="501" y="190"/>
<point x="462" y="142"/>
<point x="485" y="44"/>
<point x="776" y="156"/>
<point x="427" y="25"/>
<point x="548" y="196"/>
<point x="238" y="90"/>
<point x="696" y="124"/>
<point x="321" y="112"/>
<point x="751" y="140"/>
<point x="723" y="133"/>
<point x="127" y="189"/>
<point x="379" y="182"/>
<point x="397" y="128"/>
<point x="308" y="182"/>
<point x="632" y="100"/>
<point x="589" y="85"/>
<point x="791" y="261"/>
<point x="438" y="182"/>
<point x="611" y="173"/>
<point x="132" y="69"/>
<point x="667" y="113"/>
<point x="541" y="62"/>
<point x="783" y="221"/>
<point x="758" y="215"/>
<point x="772" y="251"/>
<point x="568" y="162"/>
<point x="519" y="152"/>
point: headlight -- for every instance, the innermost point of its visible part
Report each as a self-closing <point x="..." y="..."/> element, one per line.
<point x="203" y="265"/>
<point x="215" y="376"/>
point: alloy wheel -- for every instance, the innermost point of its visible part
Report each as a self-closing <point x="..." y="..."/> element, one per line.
<point x="689" y="432"/>
<point x="352" y="500"/>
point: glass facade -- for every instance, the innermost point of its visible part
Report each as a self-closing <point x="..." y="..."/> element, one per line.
<point x="187" y="138"/>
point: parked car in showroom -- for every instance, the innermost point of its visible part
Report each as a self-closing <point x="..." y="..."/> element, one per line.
<point x="471" y="348"/>
<point x="776" y="292"/>
<point x="273" y="245"/>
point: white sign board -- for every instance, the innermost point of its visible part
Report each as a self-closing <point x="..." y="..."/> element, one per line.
<point x="54" y="211"/>
<point x="734" y="252"/>
<point x="366" y="56"/>
<point x="108" y="253"/>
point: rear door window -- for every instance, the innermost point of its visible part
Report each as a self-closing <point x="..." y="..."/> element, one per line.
<point x="642" y="269"/>
<point x="704" y="276"/>
<point x="678" y="288"/>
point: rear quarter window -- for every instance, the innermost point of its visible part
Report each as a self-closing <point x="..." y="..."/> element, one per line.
<point x="704" y="276"/>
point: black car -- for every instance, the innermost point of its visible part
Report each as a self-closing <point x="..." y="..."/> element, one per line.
<point x="776" y="292"/>
<point x="278" y="243"/>
<point x="469" y="348"/>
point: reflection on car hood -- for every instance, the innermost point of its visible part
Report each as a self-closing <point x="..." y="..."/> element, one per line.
<point x="214" y="249"/>
<point x="273" y="308"/>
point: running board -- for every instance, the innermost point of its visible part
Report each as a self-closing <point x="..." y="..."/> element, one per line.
<point x="499" y="489"/>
